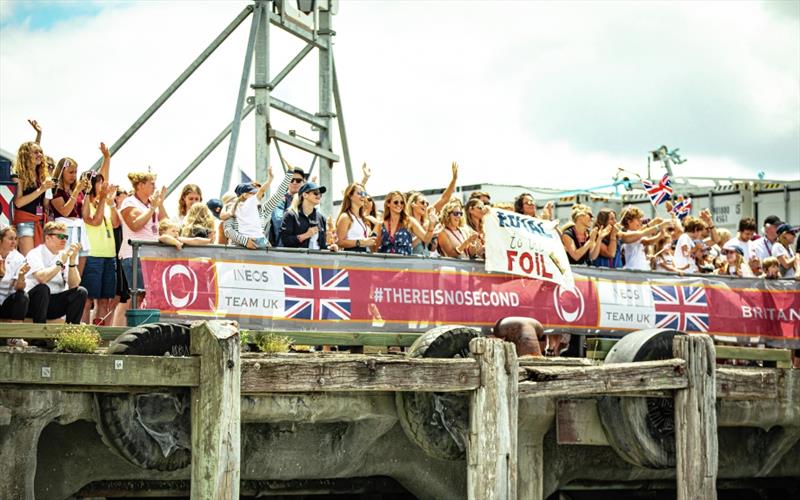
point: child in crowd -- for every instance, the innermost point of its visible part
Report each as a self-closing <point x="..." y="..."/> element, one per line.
<point x="246" y="210"/>
<point x="772" y="268"/>
<point x="199" y="225"/>
<point x="169" y="234"/>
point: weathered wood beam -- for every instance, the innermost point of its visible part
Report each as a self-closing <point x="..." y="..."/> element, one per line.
<point x="492" y="448"/>
<point x="44" y="331"/>
<point x="58" y="368"/>
<point x="696" y="446"/>
<point x="216" y="403"/>
<point x="748" y="383"/>
<point x="605" y="379"/>
<point x="356" y="373"/>
<point x="349" y="338"/>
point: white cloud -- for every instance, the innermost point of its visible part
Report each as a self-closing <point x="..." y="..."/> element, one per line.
<point x="541" y="93"/>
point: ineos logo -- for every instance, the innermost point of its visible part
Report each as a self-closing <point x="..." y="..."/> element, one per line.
<point x="569" y="304"/>
<point x="175" y="300"/>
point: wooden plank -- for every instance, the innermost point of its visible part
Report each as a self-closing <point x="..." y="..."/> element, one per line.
<point x="746" y="383"/>
<point x="753" y="353"/>
<point x="696" y="446"/>
<point x="315" y="373"/>
<point x="604" y="379"/>
<point x="60" y="368"/>
<point x="349" y="338"/>
<point x="492" y="446"/>
<point x="556" y="361"/>
<point x="43" y="331"/>
<point x="216" y="404"/>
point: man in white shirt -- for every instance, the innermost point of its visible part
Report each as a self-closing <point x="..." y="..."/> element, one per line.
<point x="747" y="229"/>
<point x="53" y="281"/>
<point x="762" y="247"/>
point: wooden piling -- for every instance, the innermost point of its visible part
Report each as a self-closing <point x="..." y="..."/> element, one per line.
<point x="216" y="443"/>
<point x="492" y="446"/>
<point x="696" y="446"/>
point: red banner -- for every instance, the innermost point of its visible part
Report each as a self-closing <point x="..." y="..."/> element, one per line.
<point x="286" y="290"/>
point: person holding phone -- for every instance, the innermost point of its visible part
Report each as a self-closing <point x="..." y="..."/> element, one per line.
<point x="352" y="231"/>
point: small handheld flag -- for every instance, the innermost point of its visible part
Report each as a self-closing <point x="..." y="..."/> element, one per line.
<point x="658" y="193"/>
<point x="682" y="208"/>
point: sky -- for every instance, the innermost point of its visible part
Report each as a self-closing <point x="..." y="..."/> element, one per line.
<point x="534" y="93"/>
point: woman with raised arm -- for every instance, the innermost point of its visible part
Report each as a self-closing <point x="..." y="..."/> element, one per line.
<point x="99" y="276"/>
<point x="427" y="219"/>
<point x="395" y="233"/>
<point x="140" y="214"/>
<point x="353" y="232"/>
<point x="369" y="212"/>
<point x="30" y="173"/>
<point x="449" y="190"/>
<point x="67" y="205"/>
<point x="457" y="239"/>
<point x="635" y="236"/>
<point x="579" y="241"/>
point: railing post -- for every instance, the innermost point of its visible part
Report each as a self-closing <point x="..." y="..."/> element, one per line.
<point x="696" y="446"/>
<point x="216" y="443"/>
<point x="492" y="446"/>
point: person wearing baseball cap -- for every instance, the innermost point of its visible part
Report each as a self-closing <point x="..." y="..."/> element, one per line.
<point x="783" y="250"/>
<point x="303" y="226"/>
<point x="762" y="247"/>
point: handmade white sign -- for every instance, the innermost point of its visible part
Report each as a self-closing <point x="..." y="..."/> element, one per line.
<point x="525" y="246"/>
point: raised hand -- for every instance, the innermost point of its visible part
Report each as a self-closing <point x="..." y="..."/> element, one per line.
<point x="366" y="170"/>
<point x="454" y="168"/>
<point x="104" y="150"/>
<point x="270" y="174"/>
<point x="35" y="125"/>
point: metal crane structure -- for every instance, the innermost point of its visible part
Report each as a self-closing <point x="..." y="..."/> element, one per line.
<point x="311" y="22"/>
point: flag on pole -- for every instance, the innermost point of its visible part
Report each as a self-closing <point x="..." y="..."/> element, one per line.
<point x="658" y="193"/>
<point x="682" y="208"/>
<point x="245" y="178"/>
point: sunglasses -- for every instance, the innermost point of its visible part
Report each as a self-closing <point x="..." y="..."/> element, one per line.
<point x="398" y="202"/>
<point x="530" y="203"/>
<point x="315" y="192"/>
<point x="60" y="236"/>
<point x="423" y="202"/>
<point x="457" y="214"/>
<point x="362" y="193"/>
<point x="296" y="180"/>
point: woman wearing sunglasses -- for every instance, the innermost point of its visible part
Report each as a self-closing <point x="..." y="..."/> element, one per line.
<point x="579" y="241"/>
<point x="425" y="216"/>
<point x="395" y="236"/>
<point x="458" y="240"/>
<point x="303" y="226"/>
<point x="354" y="233"/>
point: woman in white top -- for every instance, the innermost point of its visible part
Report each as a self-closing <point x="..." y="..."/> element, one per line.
<point x="190" y="194"/>
<point x="783" y="250"/>
<point x="353" y="232"/>
<point x="634" y="237"/>
<point x="140" y="214"/>
<point x="734" y="263"/>
<point x="13" y="268"/>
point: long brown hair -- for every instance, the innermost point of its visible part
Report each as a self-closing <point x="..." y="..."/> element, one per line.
<point x="63" y="164"/>
<point x="189" y="188"/>
<point x="473" y="202"/>
<point x="346" y="203"/>
<point x="29" y="174"/>
<point x="403" y="213"/>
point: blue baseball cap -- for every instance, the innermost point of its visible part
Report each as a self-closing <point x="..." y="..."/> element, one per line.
<point x="245" y="188"/>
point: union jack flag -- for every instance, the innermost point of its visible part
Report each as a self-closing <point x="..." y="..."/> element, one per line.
<point x="683" y="308"/>
<point x="316" y="294"/>
<point x="682" y="208"/>
<point x="658" y="193"/>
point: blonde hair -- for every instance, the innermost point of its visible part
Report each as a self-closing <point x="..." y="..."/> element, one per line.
<point x="414" y="197"/>
<point x="29" y="174"/>
<point x="58" y="173"/>
<point x="137" y="178"/>
<point x="403" y="213"/>
<point x="447" y="210"/>
<point x="165" y="225"/>
<point x="54" y="226"/>
<point x="198" y="216"/>
<point x="188" y="189"/>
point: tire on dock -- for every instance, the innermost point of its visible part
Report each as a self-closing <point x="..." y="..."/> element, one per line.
<point x="641" y="430"/>
<point x="149" y="430"/>
<point x="438" y="422"/>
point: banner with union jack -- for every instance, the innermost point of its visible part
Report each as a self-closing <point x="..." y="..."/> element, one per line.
<point x="316" y="294"/>
<point x="683" y="308"/>
<point x="658" y="193"/>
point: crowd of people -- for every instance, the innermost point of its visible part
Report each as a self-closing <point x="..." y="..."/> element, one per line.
<point x="68" y="253"/>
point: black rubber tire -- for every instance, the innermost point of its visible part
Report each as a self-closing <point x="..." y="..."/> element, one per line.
<point x="641" y="430"/>
<point x="118" y="415"/>
<point x="438" y="422"/>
